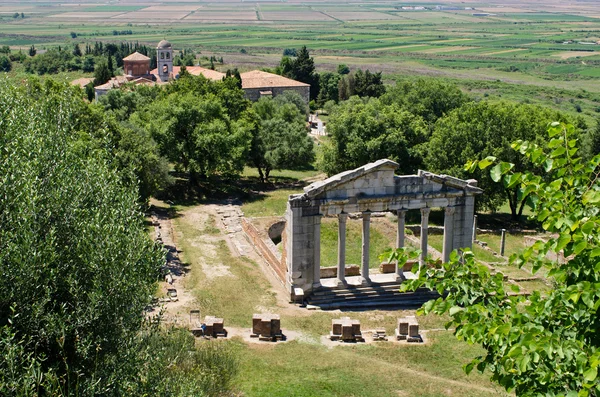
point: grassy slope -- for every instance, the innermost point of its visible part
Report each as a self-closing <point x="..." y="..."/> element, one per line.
<point x="304" y="367"/>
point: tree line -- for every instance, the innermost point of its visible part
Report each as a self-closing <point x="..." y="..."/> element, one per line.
<point x="78" y="266"/>
<point x="431" y="124"/>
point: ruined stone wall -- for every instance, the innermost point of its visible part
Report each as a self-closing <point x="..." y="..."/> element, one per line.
<point x="267" y="250"/>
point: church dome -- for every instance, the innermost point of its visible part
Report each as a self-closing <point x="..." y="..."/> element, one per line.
<point x="164" y="44"/>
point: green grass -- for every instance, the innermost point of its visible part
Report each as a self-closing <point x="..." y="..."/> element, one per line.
<point x="271" y="203"/>
<point x="305" y="367"/>
<point x="381" y="370"/>
<point x="515" y="243"/>
<point x="378" y="241"/>
<point x="278" y="175"/>
<point x="436" y="241"/>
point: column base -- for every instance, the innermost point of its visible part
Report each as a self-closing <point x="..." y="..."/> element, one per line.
<point x="341" y="283"/>
<point x="316" y="285"/>
<point x="365" y="281"/>
<point x="400" y="277"/>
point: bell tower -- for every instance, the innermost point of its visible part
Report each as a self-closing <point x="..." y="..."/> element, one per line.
<point x="164" y="60"/>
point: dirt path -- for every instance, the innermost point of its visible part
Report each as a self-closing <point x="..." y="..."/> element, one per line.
<point x="175" y="269"/>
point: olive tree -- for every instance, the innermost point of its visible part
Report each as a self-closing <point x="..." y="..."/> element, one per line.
<point x="538" y="344"/>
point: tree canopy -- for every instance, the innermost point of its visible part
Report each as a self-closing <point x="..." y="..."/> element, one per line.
<point x="280" y="138"/>
<point x="477" y="130"/>
<point x="428" y="98"/>
<point x="537" y="344"/>
<point x="301" y="68"/>
<point x="365" y="130"/>
<point x="78" y="266"/>
<point x="199" y="126"/>
<point x="77" y="263"/>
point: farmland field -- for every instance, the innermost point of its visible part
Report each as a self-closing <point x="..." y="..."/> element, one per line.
<point x="550" y="47"/>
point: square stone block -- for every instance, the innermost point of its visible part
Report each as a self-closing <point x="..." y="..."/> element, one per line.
<point x="347" y="332"/>
<point x="266" y="325"/>
<point x="336" y="327"/>
<point x="403" y="326"/>
<point x="413" y="330"/>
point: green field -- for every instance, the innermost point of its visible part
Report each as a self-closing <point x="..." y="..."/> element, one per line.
<point x="518" y="52"/>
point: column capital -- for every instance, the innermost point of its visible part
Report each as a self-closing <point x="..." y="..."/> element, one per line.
<point x="450" y="210"/>
<point x="425" y="211"/>
<point x="342" y="217"/>
<point x="366" y="215"/>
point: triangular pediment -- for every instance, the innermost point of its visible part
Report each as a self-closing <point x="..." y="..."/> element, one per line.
<point x="344" y="178"/>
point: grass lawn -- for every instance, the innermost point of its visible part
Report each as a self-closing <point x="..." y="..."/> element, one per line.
<point x="305" y="367"/>
<point x="379" y="241"/>
<point x="271" y="203"/>
<point x="515" y="243"/>
<point x="282" y="175"/>
<point x="274" y="202"/>
<point x="436" y="241"/>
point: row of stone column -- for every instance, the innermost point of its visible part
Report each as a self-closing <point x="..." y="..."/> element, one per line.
<point x="400" y="242"/>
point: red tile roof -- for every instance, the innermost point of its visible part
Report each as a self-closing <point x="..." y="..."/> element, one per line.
<point x="260" y="79"/>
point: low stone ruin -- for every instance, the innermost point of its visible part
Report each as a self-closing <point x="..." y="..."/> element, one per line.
<point x="214" y="327"/>
<point x="408" y="330"/>
<point x="380" y="335"/>
<point x="346" y="330"/>
<point x="267" y="327"/>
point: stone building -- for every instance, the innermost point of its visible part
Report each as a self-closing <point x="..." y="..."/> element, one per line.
<point x="258" y="84"/>
<point x="164" y="60"/>
<point x="372" y="188"/>
<point x="136" y="65"/>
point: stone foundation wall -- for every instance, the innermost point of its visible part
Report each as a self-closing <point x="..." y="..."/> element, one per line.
<point x="267" y="250"/>
<point x="331" y="272"/>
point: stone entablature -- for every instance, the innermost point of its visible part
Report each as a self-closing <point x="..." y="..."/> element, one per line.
<point x="373" y="188"/>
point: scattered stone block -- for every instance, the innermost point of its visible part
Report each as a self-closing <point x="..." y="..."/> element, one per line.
<point x="387" y="267"/>
<point x="380" y="335"/>
<point x="172" y="294"/>
<point x="298" y="295"/>
<point x="408" y="330"/>
<point x="267" y="327"/>
<point x="214" y="327"/>
<point x="346" y="330"/>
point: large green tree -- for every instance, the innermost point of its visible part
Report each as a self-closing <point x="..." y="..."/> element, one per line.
<point x="280" y="139"/>
<point x="77" y="264"/>
<point x="199" y="126"/>
<point x="365" y="130"/>
<point x="428" y="98"/>
<point x="5" y="64"/>
<point x="535" y="344"/>
<point x="478" y="130"/>
<point x="301" y="68"/>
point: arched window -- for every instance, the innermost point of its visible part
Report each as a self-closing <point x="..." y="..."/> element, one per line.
<point x="167" y="55"/>
<point x="162" y="55"/>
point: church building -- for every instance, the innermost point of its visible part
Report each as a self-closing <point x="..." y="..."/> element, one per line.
<point x="256" y="84"/>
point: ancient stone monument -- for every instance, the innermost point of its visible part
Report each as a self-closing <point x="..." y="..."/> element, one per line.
<point x="267" y="327"/>
<point x="371" y="188"/>
<point x="214" y="327"/>
<point x="346" y="330"/>
<point x="408" y="329"/>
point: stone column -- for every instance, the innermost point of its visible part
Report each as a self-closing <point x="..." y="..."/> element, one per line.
<point x="448" y="233"/>
<point x="317" y="253"/>
<point x="424" y="230"/>
<point x="364" y="270"/>
<point x="400" y="240"/>
<point x="341" y="263"/>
